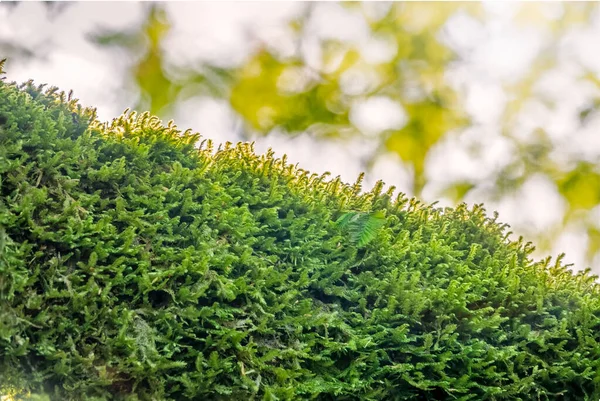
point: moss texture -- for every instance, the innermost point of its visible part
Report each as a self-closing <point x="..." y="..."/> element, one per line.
<point x="136" y="266"/>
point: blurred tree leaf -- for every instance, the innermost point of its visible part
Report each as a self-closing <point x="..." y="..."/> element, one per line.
<point x="593" y="233"/>
<point x="158" y="91"/>
<point x="581" y="186"/>
<point x="458" y="190"/>
<point x="270" y="93"/>
<point x="428" y="122"/>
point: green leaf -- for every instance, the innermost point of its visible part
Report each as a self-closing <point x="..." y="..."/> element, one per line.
<point x="362" y="227"/>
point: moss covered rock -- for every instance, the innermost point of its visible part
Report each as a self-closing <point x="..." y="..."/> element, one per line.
<point x="136" y="266"/>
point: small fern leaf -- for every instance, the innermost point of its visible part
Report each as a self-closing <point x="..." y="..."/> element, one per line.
<point x="346" y="218"/>
<point x="361" y="227"/>
<point x="343" y="220"/>
<point x="370" y="227"/>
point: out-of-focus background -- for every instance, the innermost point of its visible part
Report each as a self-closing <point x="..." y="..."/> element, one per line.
<point x="490" y="102"/>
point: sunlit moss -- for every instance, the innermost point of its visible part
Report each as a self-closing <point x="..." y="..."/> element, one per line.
<point x="136" y="266"/>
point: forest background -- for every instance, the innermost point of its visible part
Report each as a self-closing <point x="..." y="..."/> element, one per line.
<point x="488" y="102"/>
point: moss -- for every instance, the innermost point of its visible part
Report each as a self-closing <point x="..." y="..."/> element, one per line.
<point x="136" y="266"/>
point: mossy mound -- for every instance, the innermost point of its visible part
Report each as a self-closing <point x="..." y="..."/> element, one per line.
<point x="134" y="265"/>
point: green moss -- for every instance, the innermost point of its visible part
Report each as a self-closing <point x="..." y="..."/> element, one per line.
<point x="135" y="266"/>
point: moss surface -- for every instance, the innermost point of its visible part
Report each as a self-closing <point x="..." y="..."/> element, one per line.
<point x="134" y="265"/>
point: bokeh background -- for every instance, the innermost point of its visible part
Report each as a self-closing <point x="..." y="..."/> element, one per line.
<point x="489" y="102"/>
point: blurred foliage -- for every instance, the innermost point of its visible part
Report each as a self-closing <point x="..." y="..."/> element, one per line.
<point x="271" y="91"/>
<point x="153" y="74"/>
<point x="158" y="91"/>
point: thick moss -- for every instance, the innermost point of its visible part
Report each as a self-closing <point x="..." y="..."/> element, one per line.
<point x="134" y="265"/>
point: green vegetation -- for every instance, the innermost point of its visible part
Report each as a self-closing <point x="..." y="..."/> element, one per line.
<point x="136" y="266"/>
<point x="295" y="75"/>
<point x="317" y="95"/>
